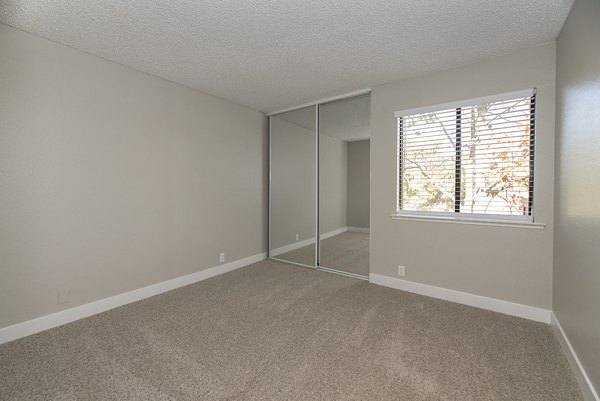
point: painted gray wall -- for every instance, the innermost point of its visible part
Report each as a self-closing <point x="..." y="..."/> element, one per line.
<point x="512" y="264"/>
<point x="112" y="179"/>
<point x="358" y="183"/>
<point x="293" y="176"/>
<point x="577" y="232"/>
<point x="333" y="183"/>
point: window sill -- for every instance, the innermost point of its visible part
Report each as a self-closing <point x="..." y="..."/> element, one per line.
<point x="470" y="221"/>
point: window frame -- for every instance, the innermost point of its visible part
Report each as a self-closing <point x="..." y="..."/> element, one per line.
<point x="457" y="216"/>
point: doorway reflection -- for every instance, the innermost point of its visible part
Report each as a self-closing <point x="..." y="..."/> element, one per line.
<point x="344" y="181"/>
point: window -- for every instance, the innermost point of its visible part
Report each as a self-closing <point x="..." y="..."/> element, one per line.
<point x="474" y="159"/>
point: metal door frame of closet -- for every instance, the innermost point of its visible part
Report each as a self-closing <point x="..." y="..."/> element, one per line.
<point x="316" y="104"/>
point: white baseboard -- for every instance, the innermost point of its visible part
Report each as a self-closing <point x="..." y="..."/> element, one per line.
<point x="585" y="384"/>
<point x="306" y="242"/>
<point x="496" y="305"/>
<point x="334" y="232"/>
<point x="358" y="230"/>
<point x="69" y="315"/>
<point x="292" y="247"/>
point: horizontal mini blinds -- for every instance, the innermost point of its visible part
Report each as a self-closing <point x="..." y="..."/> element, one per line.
<point x="475" y="159"/>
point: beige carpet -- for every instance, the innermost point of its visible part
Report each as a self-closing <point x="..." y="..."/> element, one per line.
<point x="273" y="331"/>
<point x="304" y="255"/>
<point x="348" y="252"/>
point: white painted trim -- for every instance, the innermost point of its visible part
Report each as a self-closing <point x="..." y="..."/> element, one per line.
<point x="42" y="323"/>
<point x="326" y="100"/>
<point x="496" y="305"/>
<point x="585" y="384"/>
<point x="358" y="230"/>
<point x="306" y="242"/>
<point x="292" y="247"/>
<point x="334" y="232"/>
<point x="468" y="221"/>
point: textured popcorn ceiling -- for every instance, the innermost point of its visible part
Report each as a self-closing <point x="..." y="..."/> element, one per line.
<point x="274" y="54"/>
<point x="347" y="119"/>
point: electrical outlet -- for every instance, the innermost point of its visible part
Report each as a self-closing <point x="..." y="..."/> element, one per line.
<point x="64" y="295"/>
<point x="401" y="270"/>
<point x="297" y="237"/>
<point x="222" y="257"/>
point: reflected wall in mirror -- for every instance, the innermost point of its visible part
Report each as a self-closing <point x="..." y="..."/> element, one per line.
<point x="344" y="181"/>
<point x="293" y="186"/>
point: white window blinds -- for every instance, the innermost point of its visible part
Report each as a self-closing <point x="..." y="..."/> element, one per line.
<point x="476" y="158"/>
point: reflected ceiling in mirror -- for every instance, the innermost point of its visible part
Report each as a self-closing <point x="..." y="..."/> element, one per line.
<point x="347" y="119"/>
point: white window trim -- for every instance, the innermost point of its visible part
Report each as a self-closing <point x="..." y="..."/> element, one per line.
<point x="471" y="219"/>
<point x="516" y="221"/>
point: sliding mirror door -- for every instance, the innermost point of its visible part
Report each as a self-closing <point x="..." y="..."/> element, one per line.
<point x="344" y="146"/>
<point x="293" y="170"/>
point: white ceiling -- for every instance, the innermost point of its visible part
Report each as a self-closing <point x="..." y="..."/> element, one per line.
<point x="275" y="54"/>
<point x="347" y="120"/>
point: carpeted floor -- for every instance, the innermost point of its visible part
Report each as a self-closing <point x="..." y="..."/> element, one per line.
<point x="348" y="252"/>
<point x="304" y="255"/>
<point x="273" y="331"/>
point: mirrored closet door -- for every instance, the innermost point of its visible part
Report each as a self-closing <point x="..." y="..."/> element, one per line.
<point x="344" y="181"/>
<point x="319" y="186"/>
<point x="293" y="186"/>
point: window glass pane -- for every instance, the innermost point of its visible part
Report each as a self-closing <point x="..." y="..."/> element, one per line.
<point x="495" y="158"/>
<point x="490" y="173"/>
<point x="429" y="161"/>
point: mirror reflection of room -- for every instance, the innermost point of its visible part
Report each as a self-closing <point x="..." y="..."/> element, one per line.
<point x="344" y="180"/>
<point x="293" y="186"/>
